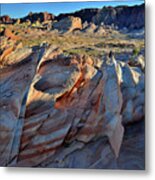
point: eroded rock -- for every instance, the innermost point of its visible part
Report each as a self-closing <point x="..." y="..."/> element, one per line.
<point x="68" y="24"/>
<point x="55" y="107"/>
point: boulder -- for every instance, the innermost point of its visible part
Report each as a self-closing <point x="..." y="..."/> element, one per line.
<point x="90" y="28"/>
<point x="100" y="30"/>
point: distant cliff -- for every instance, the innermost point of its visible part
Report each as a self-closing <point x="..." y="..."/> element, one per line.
<point x="121" y="16"/>
<point x="84" y="14"/>
<point x="42" y="16"/>
<point x="6" y="19"/>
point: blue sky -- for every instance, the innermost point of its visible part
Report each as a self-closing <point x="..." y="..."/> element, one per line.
<point x="22" y="9"/>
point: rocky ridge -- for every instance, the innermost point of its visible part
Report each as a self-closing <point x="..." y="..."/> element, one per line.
<point x="42" y="17"/>
<point x="58" y="110"/>
<point x="109" y="16"/>
<point x="117" y="17"/>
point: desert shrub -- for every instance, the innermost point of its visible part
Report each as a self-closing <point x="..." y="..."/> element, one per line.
<point x="136" y="51"/>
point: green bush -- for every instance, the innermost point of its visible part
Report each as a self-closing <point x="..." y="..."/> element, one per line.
<point x="136" y="51"/>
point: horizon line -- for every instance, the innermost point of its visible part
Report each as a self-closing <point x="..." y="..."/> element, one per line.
<point x="67" y="2"/>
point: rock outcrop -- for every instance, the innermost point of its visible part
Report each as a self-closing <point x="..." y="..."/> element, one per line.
<point x="41" y="17"/>
<point x="109" y="16"/>
<point x="84" y="14"/>
<point x="118" y="15"/>
<point x="71" y="111"/>
<point x="10" y="35"/>
<point x="68" y="24"/>
<point x="10" y="48"/>
<point x="112" y="16"/>
<point x="5" y="19"/>
<point x="90" y="28"/>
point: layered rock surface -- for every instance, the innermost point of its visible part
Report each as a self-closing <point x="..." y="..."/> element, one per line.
<point x="71" y="111"/>
<point x="68" y="24"/>
<point x="119" y="15"/>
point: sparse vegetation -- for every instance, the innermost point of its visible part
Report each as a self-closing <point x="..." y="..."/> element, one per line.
<point x="136" y="51"/>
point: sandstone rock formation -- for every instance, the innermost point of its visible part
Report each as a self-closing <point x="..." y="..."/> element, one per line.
<point x="110" y="16"/>
<point x="68" y="24"/>
<point x="42" y="17"/>
<point x="84" y="14"/>
<point x="118" y="15"/>
<point x="9" y="34"/>
<point x="71" y="111"/>
<point x="100" y="30"/>
<point x="5" y="19"/>
<point x="113" y="16"/>
<point x="90" y="28"/>
<point x="10" y="49"/>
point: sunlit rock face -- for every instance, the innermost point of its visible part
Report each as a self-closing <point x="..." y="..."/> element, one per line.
<point x="42" y="16"/>
<point x="68" y="24"/>
<point x="71" y="111"/>
<point x="5" y="19"/>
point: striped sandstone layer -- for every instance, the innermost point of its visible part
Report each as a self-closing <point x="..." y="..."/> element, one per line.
<point x="71" y="111"/>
